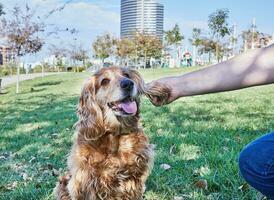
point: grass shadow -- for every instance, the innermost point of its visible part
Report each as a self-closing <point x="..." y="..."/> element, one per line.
<point x="48" y="83"/>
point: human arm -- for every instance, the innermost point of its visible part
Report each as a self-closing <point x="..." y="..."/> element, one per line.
<point x="255" y="67"/>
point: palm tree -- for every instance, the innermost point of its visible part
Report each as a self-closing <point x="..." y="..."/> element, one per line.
<point x="174" y="37"/>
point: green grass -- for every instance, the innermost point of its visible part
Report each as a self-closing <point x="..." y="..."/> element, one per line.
<point x="207" y="133"/>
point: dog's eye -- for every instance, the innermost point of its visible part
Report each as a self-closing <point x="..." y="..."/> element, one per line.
<point x="105" y="81"/>
<point x="126" y="75"/>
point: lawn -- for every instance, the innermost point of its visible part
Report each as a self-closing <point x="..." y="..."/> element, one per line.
<point x="199" y="137"/>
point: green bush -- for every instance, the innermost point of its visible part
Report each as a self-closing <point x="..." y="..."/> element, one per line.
<point x="81" y="69"/>
<point x="37" y="69"/>
<point x="4" y="72"/>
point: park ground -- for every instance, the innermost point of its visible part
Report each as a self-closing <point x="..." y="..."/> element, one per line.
<point x="199" y="137"/>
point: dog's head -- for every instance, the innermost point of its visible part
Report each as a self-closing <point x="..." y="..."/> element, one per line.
<point x="110" y="97"/>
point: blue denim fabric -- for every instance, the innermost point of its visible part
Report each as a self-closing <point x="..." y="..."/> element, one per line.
<point x="256" y="164"/>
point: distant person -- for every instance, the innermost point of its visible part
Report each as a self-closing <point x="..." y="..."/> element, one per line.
<point x="256" y="67"/>
<point x="188" y="59"/>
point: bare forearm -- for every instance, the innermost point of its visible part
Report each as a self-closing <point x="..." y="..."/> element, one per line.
<point x="249" y="69"/>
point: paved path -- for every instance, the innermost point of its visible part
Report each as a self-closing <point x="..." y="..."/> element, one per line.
<point x="7" y="80"/>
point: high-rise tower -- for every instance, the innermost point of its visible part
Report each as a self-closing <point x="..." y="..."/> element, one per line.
<point x="145" y="16"/>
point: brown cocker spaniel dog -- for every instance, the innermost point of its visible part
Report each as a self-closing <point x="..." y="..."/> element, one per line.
<point x="110" y="158"/>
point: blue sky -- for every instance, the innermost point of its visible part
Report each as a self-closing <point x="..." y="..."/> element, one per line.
<point x="93" y="17"/>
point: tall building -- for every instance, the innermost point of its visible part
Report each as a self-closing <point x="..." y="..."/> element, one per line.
<point x="6" y="55"/>
<point x="145" y="16"/>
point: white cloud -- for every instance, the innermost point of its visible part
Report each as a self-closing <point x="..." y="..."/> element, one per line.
<point x="90" y="18"/>
<point x="87" y="16"/>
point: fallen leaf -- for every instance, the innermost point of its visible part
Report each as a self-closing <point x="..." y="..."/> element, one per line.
<point x="159" y="130"/>
<point x="201" y="184"/>
<point x="165" y="166"/>
<point x="178" y="198"/>
<point x="172" y="148"/>
<point x="32" y="159"/>
<point x="25" y="176"/>
<point x="55" y="172"/>
<point x="12" y="186"/>
<point x="244" y="187"/>
<point x="2" y="157"/>
<point x="54" y="134"/>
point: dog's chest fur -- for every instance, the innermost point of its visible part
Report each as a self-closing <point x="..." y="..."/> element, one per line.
<point x="115" y="167"/>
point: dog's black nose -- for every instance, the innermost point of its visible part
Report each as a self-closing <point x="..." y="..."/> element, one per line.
<point x="126" y="84"/>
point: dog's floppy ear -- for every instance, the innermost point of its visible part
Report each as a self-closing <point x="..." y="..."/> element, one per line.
<point x="137" y="78"/>
<point x="156" y="93"/>
<point x="91" y="123"/>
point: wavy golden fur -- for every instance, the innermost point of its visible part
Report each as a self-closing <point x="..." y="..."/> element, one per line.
<point x="110" y="157"/>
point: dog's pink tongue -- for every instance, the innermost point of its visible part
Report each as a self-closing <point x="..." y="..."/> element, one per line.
<point x="129" y="107"/>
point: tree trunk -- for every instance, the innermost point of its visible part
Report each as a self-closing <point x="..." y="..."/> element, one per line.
<point x="84" y="63"/>
<point x="103" y="61"/>
<point x="0" y="86"/>
<point x="217" y="53"/>
<point x="194" y="55"/>
<point x="178" y="56"/>
<point x="18" y="78"/>
<point x="10" y="66"/>
<point x="43" y="73"/>
<point x="145" y="60"/>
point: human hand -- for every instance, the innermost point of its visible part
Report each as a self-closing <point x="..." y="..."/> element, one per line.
<point x="161" y="92"/>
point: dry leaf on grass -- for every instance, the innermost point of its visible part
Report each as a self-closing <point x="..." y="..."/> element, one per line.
<point x="55" y="172"/>
<point x="165" y="166"/>
<point x="159" y="131"/>
<point x="172" y="148"/>
<point x="244" y="187"/>
<point x="12" y="185"/>
<point x="201" y="184"/>
<point x="25" y="176"/>
<point x="32" y="159"/>
<point x="178" y="198"/>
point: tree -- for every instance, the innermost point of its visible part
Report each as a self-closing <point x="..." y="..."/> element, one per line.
<point x="1" y="13"/>
<point x="81" y="55"/>
<point x="196" y="41"/>
<point x="207" y="46"/>
<point x="248" y="37"/>
<point x="78" y="53"/>
<point x="104" y="46"/>
<point x="125" y="49"/>
<point x="1" y="10"/>
<point x="218" y="24"/>
<point x="147" y="47"/>
<point x="59" y="52"/>
<point x="174" y="37"/>
<point x="21" y="30"/>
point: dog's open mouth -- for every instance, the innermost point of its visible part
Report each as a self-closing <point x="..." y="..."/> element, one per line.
<point x="126" y="106"/>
